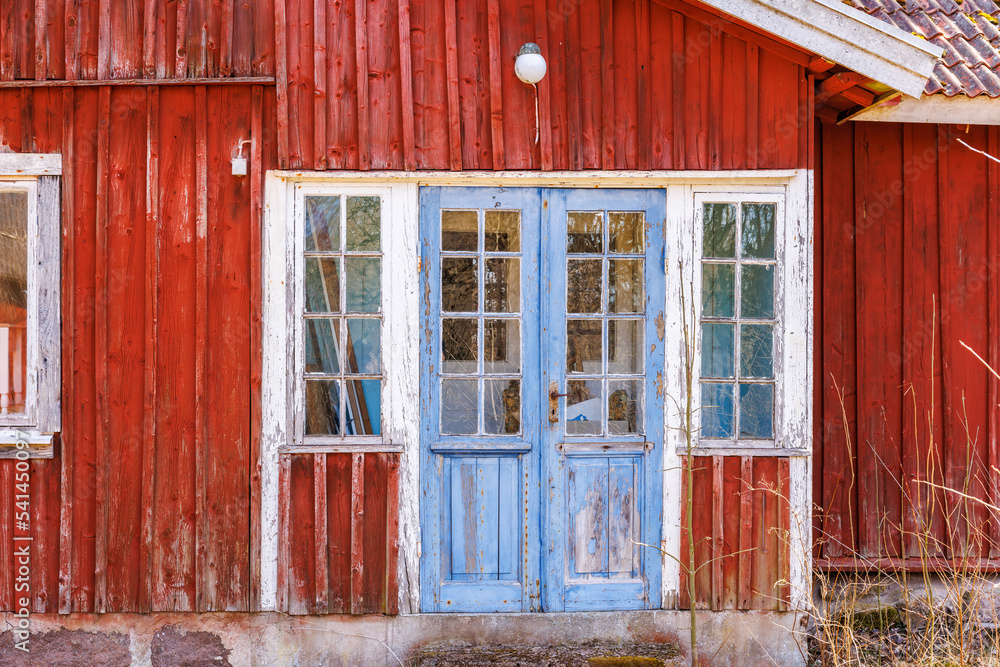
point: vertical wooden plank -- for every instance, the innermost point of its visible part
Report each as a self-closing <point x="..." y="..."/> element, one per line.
<point x="451" y="68"/>
<point x="391" y="587"/>
<point x="162" y="66"/>
<point x="993" y="332"/>
<point x="496" y="100"/>
<point x="181" y="53"/>
<point x="406" y="86"/>
<point x="430" y="87"/>
<point x="319" y="83"/>
<point x="202" y="594"/>
<point x="322" y="564"/>
<point x="7" y="533"/>
<point x="607" y="86"/>
<point x="753" y="102"/>
<point x="256" y="200"/>
<point x="149" y="33"/>
<point x="384" y="108"/>
<point x="361" y="37"/>
<point x="7" y="41"/>
<point x="281" y="79"/>
<point x="40" y="25"/>
<point x="766" y="541"/>
<point x="543" y="90"/>
<point x="679" y="72"/>
<point x="374" y="544"/>
<point x="283" y="601"/>
<point x="644" y="121"/>
<point x="717" y="125"/>
<point x="68" y="433"/>
<point x="70" y="35"/>
<point x="661" y="69"/>
<point x="718" y="519"/>
<point x="104" y="45"/>
<point x="301" y="536"/>
<point x="152" y="289"/>
<point x="574" y="96"/>
<point x="101" y="352"/>
<point x="746" y="532"/>
<point x="357" y="532"/>
<point x="732" y="493"/>
<point x="342" y="119"/>
<point x="802" y="119"/>
<point x="226" y="41"/>
<point x="339" y="498"/>
<point x="473" y="84"/>
<point x="782" y="588"/>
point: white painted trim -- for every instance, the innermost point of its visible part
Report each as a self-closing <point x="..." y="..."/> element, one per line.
<point x="19" y="165"/>
<point x="845" y="35"/>
<point x="958" y="110"/>
<point x="10" y="436"/>
<point x="549" y="179"/>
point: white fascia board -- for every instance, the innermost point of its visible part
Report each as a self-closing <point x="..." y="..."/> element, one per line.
<point x="845" y="35"/>
<point x="958" y="110"/>
<point x="17" y="165"/>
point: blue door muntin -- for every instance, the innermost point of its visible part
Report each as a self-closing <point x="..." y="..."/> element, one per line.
<point x="542" y="512"/>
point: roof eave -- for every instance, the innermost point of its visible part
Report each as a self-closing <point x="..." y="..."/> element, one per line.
<point x="844" y="35"/>
<point x="957" y="110"/>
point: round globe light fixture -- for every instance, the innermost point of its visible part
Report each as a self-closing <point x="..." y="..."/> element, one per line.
<point x="530" y="65"/>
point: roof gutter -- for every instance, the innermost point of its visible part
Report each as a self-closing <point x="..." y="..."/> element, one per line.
<point x="846" y="36"/>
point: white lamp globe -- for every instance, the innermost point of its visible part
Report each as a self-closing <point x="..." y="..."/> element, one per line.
<point x="530" y="65"/>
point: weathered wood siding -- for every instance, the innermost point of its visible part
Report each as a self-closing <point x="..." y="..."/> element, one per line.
<point x="908" y="249"/>
<point x="632" y="84"/>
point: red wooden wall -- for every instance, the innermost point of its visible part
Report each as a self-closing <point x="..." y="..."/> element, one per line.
<point x="907" y="261"/>
<point x="632" y="84"/>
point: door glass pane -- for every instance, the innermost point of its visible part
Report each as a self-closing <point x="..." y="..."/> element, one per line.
<point x="585" y="232"/>
<point x="584" y="283"/>
<point x="322" y="407"/>
<point x="716" y="410"/>
<point x="460" y="230"/>
<point x="460" y="284"/>
<point x="625" y="406"/>
<point x="322" y="285"/>
<point x="583" y="346"/>
<point x="502" y="407"/>
<point x="503" y="285"/>
<point x="757" y="411"/>
<point x="718" y="290"/>
<point x="322" y="346"/>
<point x="322" y="228"/>
<point x="459" y="407"/>
<point x="719" y="238"/>
<point x="717" y="350"/>
<point x="503" y="231"/>
<point x="459" y="345"/>
<point x="625" y="349"/>
<point x="756" y="354"/>
<point x="364" y="403"/>
<point x="501" y="346"/>
<point x="363" y="284"/>
<point x="364" y="344"/>
<point x="758" y="231"/>
<point x="626" y="231"/>
<point x="364" y="224"/>
<point x="584" y="407"/>
<point x="757" y="291"/>
<point x="625" y="286"/>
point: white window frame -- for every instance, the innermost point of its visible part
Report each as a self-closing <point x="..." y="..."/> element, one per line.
<point x="38" y="176"/>
<point x="401" y="298"/>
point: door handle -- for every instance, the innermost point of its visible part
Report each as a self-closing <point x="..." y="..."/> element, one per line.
<point x="554" y="397"/>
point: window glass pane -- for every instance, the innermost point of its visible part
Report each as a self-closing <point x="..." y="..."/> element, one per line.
<point x="503" y="231"/>
<point x="364" y="224"/>
<point x="758" y="231"/>
<point x="363" y="283"/>
<point x="322" y="227"/>
<point x="718" y="289"/>
<point x="625" y="406"/>
<point x="459" y="345"/>
<point x="719" y="222"/>
<point x="502" y="285"/>
<point x="625" y="286"/>
<point x="583" y="286"/>
<point x="14" y="298"/>
<point x="756" y="411"/>
<point x="364" y="345"/>
<point x="585" y="232"/>
<point x="459" y="284"/>
<point x="459" y="407"/>
<point x="322" y="346"/>
<point x="322" y="407"/>
<point x="625" y="346"/>
<point x="322" y="286"/>
<point x="583" y="346"/>
<point x="363" y="403"/>
<point x="626" y="231"/>
<point x="583" y="407"/>
<point x="502" y="407"/>
<point x="717" y="350"/>
<point x="460" y="230"/>
<point x="716" y="410"/>
<point x="501" y="346"/>
<point x="756" y="354"/>
<point x="757" y="291"/>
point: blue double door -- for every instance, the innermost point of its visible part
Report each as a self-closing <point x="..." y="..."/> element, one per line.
<point x="542" y="424"/>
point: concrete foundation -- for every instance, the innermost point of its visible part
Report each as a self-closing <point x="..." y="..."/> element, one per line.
<point x="237" y="640"/>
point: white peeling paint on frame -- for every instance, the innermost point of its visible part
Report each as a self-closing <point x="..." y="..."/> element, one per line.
<point x="401" y="354"/>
